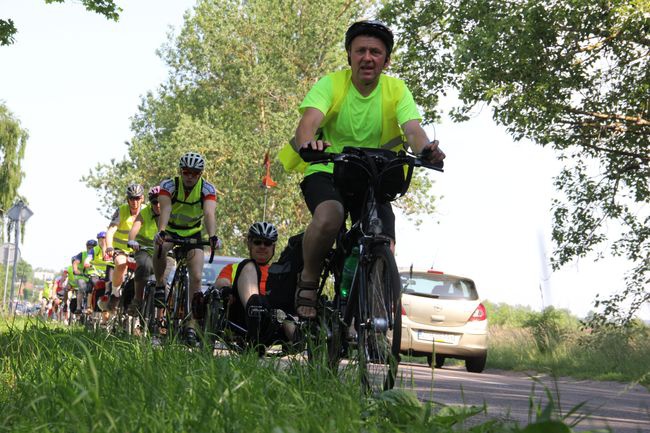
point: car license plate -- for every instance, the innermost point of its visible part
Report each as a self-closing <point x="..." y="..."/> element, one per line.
<point x="438" y="337"/>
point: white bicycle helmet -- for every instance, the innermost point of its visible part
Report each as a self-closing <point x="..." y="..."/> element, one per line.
<point x="264" y="230"/>
<point x="134" y="190"/>
<point x="193" y="161"/>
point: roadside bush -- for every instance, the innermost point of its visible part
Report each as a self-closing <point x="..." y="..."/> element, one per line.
<point x="551" y="327"/>
<point x="506" y="315"/>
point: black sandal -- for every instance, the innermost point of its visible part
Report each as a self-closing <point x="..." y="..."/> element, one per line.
<point x="303" y="301"/>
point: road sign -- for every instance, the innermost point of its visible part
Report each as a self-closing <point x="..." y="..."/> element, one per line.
<point x="7" y="252"/>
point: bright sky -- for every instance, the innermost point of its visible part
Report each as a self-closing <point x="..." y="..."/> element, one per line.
<point x="74" y="79"/>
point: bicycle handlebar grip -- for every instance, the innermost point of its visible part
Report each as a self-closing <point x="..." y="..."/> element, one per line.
<point x="311" y="155"/>
<point x="211" y="255"/>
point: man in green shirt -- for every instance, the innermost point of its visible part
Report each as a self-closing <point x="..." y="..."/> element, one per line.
<point x="360" y="107"/>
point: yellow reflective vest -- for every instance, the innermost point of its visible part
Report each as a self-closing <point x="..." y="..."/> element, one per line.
<point x="392" y="91"/>
<point x="148" y="229"/>
<point x="186" y="218"/>
<point x="121" y="236"/>
<point x="98" y="265"/>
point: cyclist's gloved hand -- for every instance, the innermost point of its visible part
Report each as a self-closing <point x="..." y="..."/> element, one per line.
<point x="432" y="152"/>
<point x="160" y="237"/>
<point x="215" y="242"/>
<point x="108" y="255"/>
<point x="134" y="245"/>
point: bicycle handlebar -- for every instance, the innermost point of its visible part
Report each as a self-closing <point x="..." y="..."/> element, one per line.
<point x="318" y="156"/>
<point x="190" y="241"/>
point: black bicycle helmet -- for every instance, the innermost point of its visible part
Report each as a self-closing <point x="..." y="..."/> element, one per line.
<point x="370" y="28"/>
<point x="134" y="190"/>
<point x="263" y="230"/>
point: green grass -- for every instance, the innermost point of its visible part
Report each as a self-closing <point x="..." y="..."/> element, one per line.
<point x="57" y="379"/>
<point x="615" y="354"/>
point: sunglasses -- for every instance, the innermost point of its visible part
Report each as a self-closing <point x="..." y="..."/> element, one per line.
<point x="192" y="173"/>
<point x="135" y="198"/>
<point x="258" y="242"/>
<point x="154" y="202"/>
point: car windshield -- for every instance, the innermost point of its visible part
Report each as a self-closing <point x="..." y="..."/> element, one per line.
<point x="439" y="286"/>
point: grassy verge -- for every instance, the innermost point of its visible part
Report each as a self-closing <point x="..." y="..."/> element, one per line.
<point x="59" y="380"/>
<point x="616" y="354"/>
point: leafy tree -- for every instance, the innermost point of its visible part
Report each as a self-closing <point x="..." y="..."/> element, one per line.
<point x="13" y="140"/>
<point x="108" y="8"/>
<point x="238" y="72"/>
<point x="569" y="74"/>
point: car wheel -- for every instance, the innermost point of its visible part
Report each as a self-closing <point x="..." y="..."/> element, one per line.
<point x="475" y="364"/>
<point x="440" y="360"/>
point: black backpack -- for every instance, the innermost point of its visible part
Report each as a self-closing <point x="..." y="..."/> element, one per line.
<point x="283" y="276"/>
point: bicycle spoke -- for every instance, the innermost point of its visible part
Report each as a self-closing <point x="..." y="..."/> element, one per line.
<point x="380" y="327"/>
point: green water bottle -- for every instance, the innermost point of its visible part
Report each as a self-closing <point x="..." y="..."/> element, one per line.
<point x="349" y="269"/>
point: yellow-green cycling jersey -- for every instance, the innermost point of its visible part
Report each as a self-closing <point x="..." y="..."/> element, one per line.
<point x="392" y="92"/>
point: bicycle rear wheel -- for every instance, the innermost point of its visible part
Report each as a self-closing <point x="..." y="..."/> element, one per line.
<point x="380" y="327"/>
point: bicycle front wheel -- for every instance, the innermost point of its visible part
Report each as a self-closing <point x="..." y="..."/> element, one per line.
<point x="215" y="319"/>
<point x="380" y="327"/>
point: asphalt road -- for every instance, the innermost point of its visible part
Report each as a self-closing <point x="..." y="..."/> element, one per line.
<point x="623" y="408"/>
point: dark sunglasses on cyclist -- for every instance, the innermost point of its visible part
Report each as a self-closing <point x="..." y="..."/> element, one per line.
<point x="258" y="242"/>
<point x="154" y="202"/>
<point x="193" y="173"/>
<point x="135" y="198"/>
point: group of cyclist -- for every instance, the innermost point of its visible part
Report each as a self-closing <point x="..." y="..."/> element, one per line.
<point x="356" y="107"/>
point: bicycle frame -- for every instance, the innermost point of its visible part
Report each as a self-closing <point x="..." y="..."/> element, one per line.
<point x="359" y="308"/>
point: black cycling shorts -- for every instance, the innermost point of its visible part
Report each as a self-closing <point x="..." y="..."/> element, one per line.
<point x="319" y="187"/>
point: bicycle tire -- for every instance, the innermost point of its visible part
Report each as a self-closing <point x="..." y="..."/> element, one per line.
<point x="149" y="310"/>
<point x="179" y="296"/>
<point x="335" y="339"/>
<point x="215" y="320"/>
<point x="380" y="330"/>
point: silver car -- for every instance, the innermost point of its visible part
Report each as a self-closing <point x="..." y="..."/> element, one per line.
<point x="444" y="312"/>
<point x="211" y="270"/>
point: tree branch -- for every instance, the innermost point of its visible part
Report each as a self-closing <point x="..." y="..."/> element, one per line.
<point x="637" y="120"/>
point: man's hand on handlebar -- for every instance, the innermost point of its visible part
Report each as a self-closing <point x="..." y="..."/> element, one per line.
<point x="432" y="152"/>
<point x="215" y="242"/>
<point x="318" y="145"/>
<point x="134" y="245"/>
<point x="160" y="237"/>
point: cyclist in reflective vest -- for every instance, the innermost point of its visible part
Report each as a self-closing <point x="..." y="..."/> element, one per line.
<point x="141" y="237"/>
<point x="83" y="270"/>
<point x="187" y="202"/>
<point x="117" y="237"/>
<point x="99" y="260"/>
<point x="359" y="107"/>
